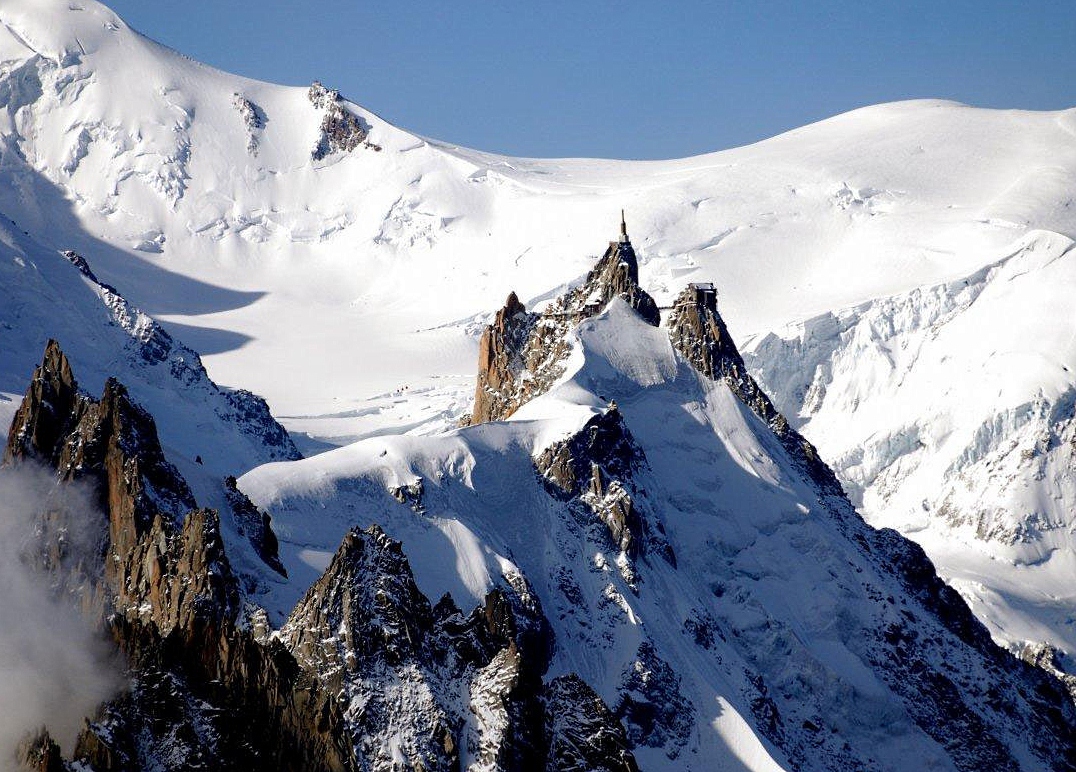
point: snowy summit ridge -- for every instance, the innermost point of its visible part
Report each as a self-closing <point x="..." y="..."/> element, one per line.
<point x="686" y="523"/>
<point x="636" y="555"/>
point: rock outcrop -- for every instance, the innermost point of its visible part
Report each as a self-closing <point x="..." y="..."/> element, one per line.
<point x="47" y="413"/>
<point x="341" y="130"/>
<point x="596" y="465"/>
<point x="1043" y="655"/>
<point x="651" y="705"/>
<point x="522" y="353"/>
<point x="254" y="119"/>
<point x="699" y="333"/>
<point x="581" y="732"/>
<point x="255" y="524"/>
<point x="501" y="381"/>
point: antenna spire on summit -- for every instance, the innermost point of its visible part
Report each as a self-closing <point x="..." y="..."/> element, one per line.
<point x="623" y="228"/>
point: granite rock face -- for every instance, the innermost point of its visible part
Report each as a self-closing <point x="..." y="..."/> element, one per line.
<point x="256" y="525"/>
<point x="699" y="333"/>
<point x="366" y="670"/>
<point x="501" y="365"/>
<point x="522" y="353"/>
<point x="153" y="349"/>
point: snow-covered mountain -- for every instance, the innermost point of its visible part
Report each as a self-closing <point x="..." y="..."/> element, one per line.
<point x="163" y="171"/>
<point x="948" y="413"/>
<point x="660" y="575"/>
<point x="901" y="273"/>
<point x="697" y="569"/>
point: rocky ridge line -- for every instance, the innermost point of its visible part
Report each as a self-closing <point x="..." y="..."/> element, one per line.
<point x="699" y="333"/>
<point x="522" y="353"/>
<point x="151" y="344"/>
<point x="956" y="713"/>
<point x="159" y="582"/>
<point x="364" y="655"/>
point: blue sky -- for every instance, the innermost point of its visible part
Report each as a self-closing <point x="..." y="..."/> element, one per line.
<point x="635" y="79"/>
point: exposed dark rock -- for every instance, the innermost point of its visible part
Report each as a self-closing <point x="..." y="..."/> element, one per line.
<point x="411" y="495"/>
<point x="251" y="411"/>
<point x="160" y="581"/>
<point x="254" y="119"/>
<point x="582" y="734"/>
<point x="363" y="657"/>
<point x="365" y="605"/>
<point x="616" y="275"/>
<point x="937" y="696"/>
<point x="1046" y="657"/>
<point x="47" y="413"/>
<point x="255" y="524"/>
<point x="596" y="465"/>
<point x="368" y="628"/>
<point x="152" y="346"/>
<point x="699" y="333"/>
<point x="521" y="354"/>
<point x="40" y="753"/>
<point x="654" y="711"/>
<point x="208" y="695"/>
<point x="341" y="129"/>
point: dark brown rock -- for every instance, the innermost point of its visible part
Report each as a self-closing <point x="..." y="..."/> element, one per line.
<point x="595" y="465"/>
<point x="522" y="354"/>
<point x="582" y="733"/>
<point x="365" y="605"/>
<point x="500" y="361"/>
<point x="207" y="693"/>
<point x="255" y="524"/>
<point x="210" y="690"/>
<point x="699" y="333"/>
<point x="40" y="753"/>
<point x="47" y="412"/>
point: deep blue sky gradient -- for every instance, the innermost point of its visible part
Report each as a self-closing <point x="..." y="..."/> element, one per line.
<point x="636" y="79"/>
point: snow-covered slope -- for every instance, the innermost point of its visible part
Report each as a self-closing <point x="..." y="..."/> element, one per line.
<point x="208" y="431"/>
<point x="151" y="165"/>
<point x="343" y="284"/>
<point x="948" y="413"/>
<point x="757" y="623"/>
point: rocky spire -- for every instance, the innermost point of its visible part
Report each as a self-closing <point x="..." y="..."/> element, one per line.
<point x="203" y="692"/>
<point x="521" y="354"/>
<point x="699" y="333"/>
<point x="46" y="412"/>
<point x="498" y="391"/>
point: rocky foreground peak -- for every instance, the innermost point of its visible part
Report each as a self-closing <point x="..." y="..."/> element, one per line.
<point x="364" y="657"/>
<point x="157" y="578"/>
